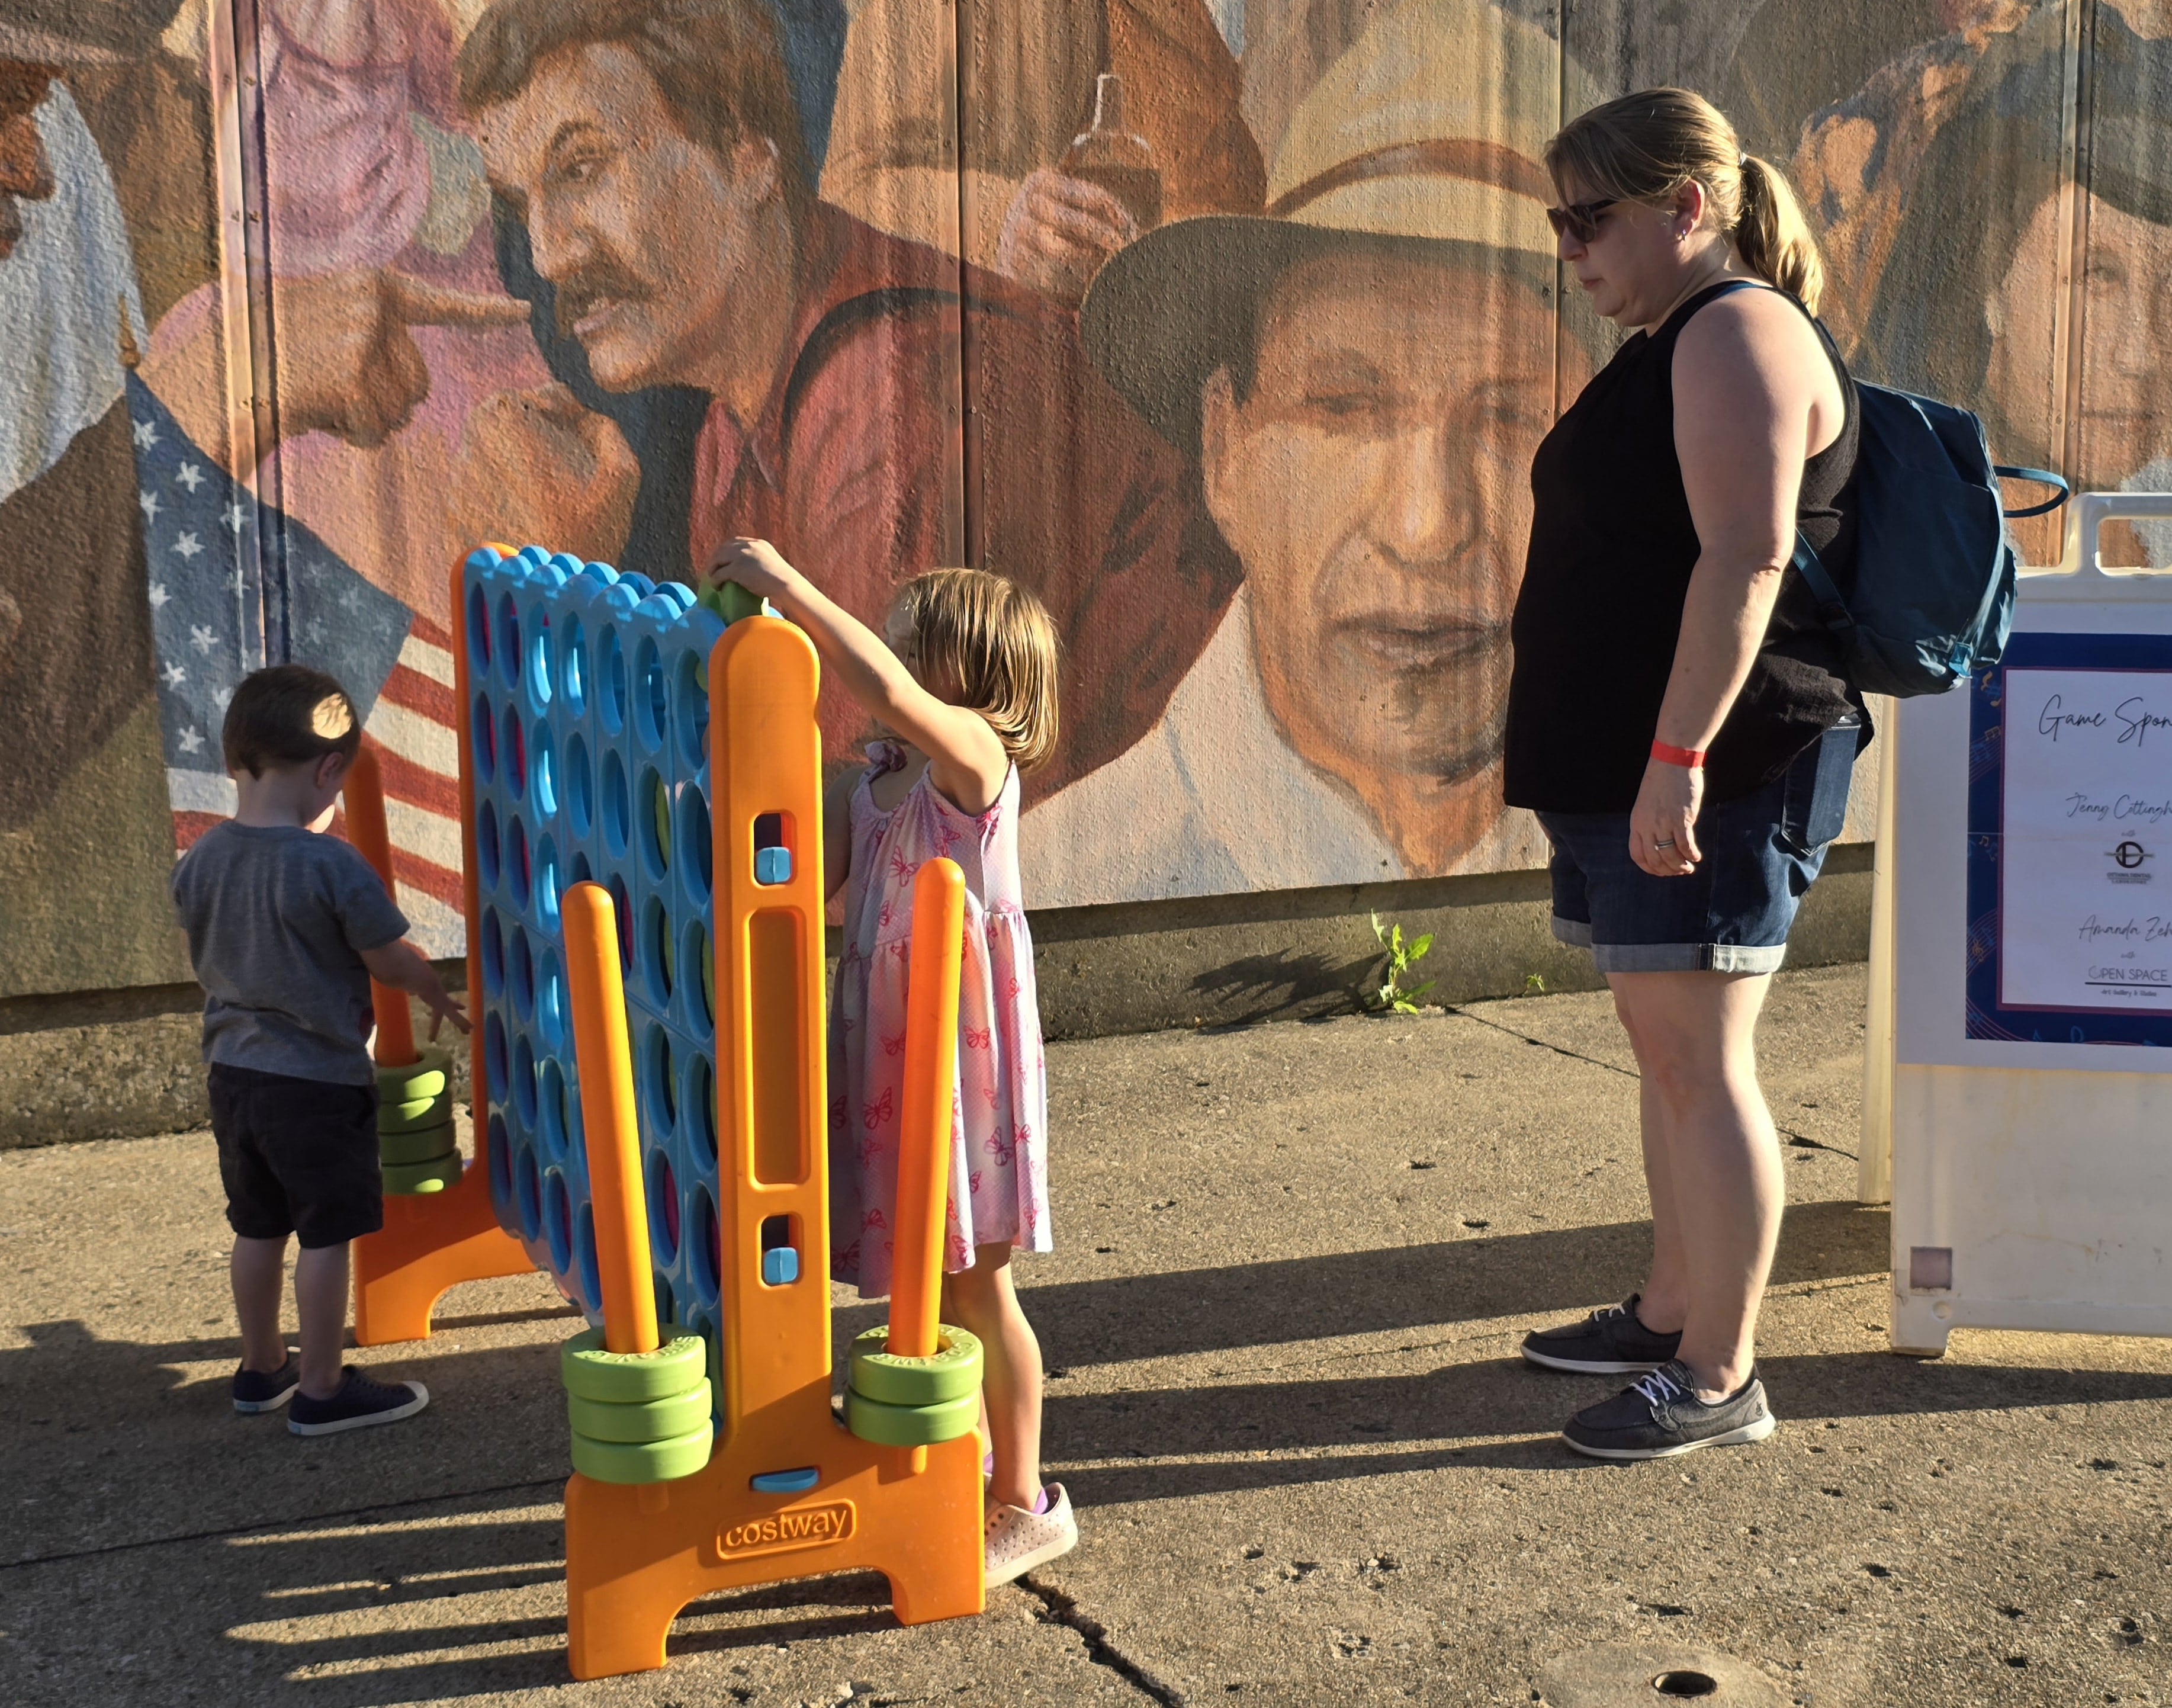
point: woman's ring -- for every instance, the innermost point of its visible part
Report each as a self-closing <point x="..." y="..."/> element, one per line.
<point x="1669" y="842"/>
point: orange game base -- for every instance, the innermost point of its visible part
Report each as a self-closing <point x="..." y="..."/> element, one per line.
<point x="430" y="1241"/>
<point x="635" y="1556"/>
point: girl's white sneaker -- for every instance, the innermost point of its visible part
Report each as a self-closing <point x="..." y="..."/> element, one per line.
<point x="1019" y="1540"/>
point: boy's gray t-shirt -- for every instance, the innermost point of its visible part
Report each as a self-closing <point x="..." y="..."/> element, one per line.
<point x="277" y="917"/>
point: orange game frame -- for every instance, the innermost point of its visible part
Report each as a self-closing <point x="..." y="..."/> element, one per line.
<point x="787" y="1492"/>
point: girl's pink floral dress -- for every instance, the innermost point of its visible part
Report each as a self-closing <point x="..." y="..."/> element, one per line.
<point x="999" y="1132"/>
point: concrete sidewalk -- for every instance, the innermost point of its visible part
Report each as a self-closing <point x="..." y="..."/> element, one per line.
<point x="1294" y="1262"/>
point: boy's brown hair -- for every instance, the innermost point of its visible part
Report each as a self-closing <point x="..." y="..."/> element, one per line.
<point x="289" y="715"/>
<point x="993" y="642"/>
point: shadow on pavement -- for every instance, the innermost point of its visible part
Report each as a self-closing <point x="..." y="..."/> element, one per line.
<point x="1302" y="1419"/>
<point x="360" y="1618"/>
<point x="1163" y="1315"/>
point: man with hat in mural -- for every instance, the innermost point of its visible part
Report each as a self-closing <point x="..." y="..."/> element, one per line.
<point x="1363" y="375"/>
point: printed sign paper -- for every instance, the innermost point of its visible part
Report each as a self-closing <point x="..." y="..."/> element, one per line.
<point x="2086" y="878"/>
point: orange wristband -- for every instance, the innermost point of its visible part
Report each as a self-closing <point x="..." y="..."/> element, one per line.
<point x="1690" y="758"/>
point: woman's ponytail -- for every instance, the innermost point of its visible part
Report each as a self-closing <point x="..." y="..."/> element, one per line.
<point x="1645" y="147"/>
<point x="1772" y="237"/>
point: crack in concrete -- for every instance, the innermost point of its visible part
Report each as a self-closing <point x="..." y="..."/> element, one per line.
<point x="1803" y="1141"/>
<point x="1057" y="1608"/>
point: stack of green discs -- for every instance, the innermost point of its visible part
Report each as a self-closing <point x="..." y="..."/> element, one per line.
<point x="638" y="1417"/>
<point x="898" y="1401"/>
<point x="415" y="1138"/>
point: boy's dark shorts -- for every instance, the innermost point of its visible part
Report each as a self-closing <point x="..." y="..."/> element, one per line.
<point x="297" y="1157"/>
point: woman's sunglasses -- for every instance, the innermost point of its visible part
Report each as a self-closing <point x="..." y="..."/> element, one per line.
<point x="1581" y="218"/>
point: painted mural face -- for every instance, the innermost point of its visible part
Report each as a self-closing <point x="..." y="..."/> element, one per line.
<point x="650" y="236"/>
<point x="1375" y="483"/>
<point x="2126" y="413"/>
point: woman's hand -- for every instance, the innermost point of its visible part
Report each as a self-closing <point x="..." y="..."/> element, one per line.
<point x="1663" y="823"/>
<point x="755" y="565"/>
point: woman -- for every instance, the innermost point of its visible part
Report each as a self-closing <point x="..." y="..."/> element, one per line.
<point x="1678" y="717"/>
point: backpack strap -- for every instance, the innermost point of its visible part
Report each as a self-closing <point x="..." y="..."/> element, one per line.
<point x="2043" y="477"/>
<point x="1832" y="609"/>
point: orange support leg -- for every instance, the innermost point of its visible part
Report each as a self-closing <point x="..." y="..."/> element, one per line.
<point x="364" y="790"/>
<point x="788" y="1492"/>
<point x="432" y="1242"/>
<point x="609" y="1118"/>
<point x="930" y="1089"/>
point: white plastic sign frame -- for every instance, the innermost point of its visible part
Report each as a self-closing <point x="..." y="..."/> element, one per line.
<point x="2030" y="1173"/>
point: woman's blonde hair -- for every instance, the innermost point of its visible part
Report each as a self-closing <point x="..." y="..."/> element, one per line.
<point x="993" y="641"/>
<point x="1645" y="147"/>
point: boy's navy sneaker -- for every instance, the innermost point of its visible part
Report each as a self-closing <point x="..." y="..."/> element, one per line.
<point x="266" y="1390"/>
<point x="358" y="1404"/>
<point x="1661" y="1416"/>
<point x="1611" y="1342"/>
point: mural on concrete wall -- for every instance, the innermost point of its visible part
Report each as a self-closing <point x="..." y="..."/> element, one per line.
<point x="1229" y="325"/>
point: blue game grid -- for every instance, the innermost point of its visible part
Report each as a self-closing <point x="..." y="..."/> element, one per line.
<point x="587" y="726"/>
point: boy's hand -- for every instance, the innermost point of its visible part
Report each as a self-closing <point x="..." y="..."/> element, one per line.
<point x="755" y="564"/>
<point x="444" y="1007"/>
<point x="399" y="965"/>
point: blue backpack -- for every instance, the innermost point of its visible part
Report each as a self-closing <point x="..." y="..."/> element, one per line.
<point x="1932" y="596"/>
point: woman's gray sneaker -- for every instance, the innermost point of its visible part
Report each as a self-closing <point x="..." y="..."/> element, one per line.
<point x="1661" y="1416"/>
<point x="1611" y="1342"/>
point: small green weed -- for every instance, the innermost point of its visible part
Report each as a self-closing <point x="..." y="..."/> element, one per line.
<point x="1403" y="955"/>
<point x="1534" y="985"/>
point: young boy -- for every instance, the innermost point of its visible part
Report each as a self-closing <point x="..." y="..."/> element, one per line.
<point x="286" y="929"/>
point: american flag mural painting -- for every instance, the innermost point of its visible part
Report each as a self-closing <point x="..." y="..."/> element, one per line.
<point x="235" y="584"/>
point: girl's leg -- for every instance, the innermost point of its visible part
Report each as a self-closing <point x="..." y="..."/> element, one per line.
<point x="982" y="1301"/>
<point x="1696" y="1035"/>
<point x="1664" y="1300"/>
<point x="258" y="1270"/>
<point x="320" y="1301"/>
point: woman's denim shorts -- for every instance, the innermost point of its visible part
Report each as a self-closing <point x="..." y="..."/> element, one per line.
<point x="1732" y="913"/>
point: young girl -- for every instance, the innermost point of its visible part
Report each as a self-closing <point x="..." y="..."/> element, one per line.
<point x="966" y="684"/>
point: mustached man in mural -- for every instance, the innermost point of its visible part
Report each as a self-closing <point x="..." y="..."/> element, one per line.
<point x="1363" y="374"/>
<point x="874" y="408"/>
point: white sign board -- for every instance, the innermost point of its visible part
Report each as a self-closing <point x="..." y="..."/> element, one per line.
<point x="2021" y="981"/>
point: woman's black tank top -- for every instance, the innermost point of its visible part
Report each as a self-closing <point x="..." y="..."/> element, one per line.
<point x="1596" y="623"/>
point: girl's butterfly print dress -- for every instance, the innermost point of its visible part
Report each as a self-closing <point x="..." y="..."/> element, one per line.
<point x="999" y="1128"/>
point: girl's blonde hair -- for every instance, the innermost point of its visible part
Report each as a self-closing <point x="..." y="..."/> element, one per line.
<point x="1645" y="147"/>
<point x="991" y="641"/>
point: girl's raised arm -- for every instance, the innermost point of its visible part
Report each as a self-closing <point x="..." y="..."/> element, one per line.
<point x="965" y="757"/>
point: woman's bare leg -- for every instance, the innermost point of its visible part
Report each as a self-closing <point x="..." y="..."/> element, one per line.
<point x="1694" y="1035"/>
